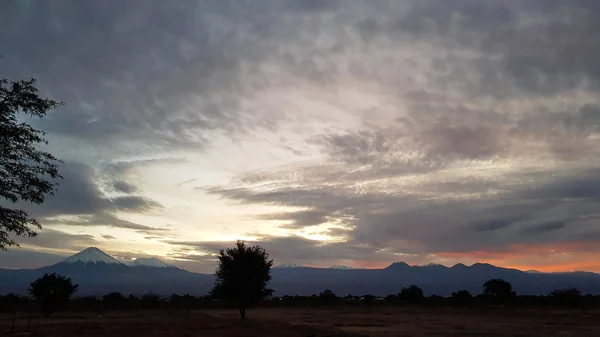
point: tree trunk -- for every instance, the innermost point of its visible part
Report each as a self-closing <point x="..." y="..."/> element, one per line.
<point x="14" y="317"/>
<point x="29" y="317"/>
<point x="243" y="312"/>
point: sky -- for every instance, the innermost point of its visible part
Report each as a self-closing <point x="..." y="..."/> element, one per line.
<point x="330" y="132"/>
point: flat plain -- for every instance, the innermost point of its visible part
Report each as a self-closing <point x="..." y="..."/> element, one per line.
<point x="307" y="321"/>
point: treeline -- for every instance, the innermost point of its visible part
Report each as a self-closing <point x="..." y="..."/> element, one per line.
<point x="570" y="298"/>
<point x="414" y="295"/>
<point x="113" y="301"/>
<point x="495" y="292"/>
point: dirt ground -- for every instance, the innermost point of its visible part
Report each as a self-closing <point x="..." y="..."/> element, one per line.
<point x="346" y="321"/>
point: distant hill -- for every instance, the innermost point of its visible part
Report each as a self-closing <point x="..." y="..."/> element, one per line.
<point x="97" y="273"/>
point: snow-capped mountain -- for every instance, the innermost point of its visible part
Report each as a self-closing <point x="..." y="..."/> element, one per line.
<point x="434" y="265"/>
<point x="149" y="262"/>
<point x="340" y="267"/>
<point x="288" y="265"/>
<point x="92" y="255"/>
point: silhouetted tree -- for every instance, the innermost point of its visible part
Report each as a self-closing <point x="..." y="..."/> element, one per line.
<point x="182" y="302"/>
<point x="368" y="299"/>
<point x="149" y="301"/>
<point x="27" y="174"/>
<point x="113" y="300"/>
<point x="411" y="293"/>
<point x="462" y="296"/>
<point x="435" y="299"/>
<point x="242" y="275"/>
<point x="567" y="297"/>
<point x="89" y="299"/>
<point x="52" y="291"/>
<point x="12" y="303"/>
<point x="498" y="290"/>
<point x="327" y="295"/>
<point x="113" y="297"/>
<point x="391" y="297"/>
<point x="349" y="297"/>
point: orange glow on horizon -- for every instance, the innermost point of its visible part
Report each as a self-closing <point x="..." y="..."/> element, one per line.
<point x="548" y="257"/>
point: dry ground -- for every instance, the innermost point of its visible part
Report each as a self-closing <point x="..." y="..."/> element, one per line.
<point x="344" y="321"/>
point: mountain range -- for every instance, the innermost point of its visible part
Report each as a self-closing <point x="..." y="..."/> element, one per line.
<point x="97" y="273"/>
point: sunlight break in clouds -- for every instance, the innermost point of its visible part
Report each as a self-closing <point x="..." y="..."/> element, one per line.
<point x="330" y="132"/>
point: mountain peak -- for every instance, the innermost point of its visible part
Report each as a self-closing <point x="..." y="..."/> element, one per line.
<point x="459" y="266"/>
<point x="398" y="265"/>
<point x="435" y="265"/>
<point x="92" y="255"/>
<point x="483" y="265"/>
<point x="149" y="262"/>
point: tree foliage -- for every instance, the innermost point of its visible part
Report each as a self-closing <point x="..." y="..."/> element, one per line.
<point x="113" y="300"/>
<point x="242" y="275"/>
<point x="499" y="290"/>
<point x="567" y="297"/>
<point x="52" y="291"/>
<point x="149" y="301"/>
<point x="462" y="296"/>
<point x="411" y="293"/>
<point x="27" y="174"/>
<point x="327" y="295"/>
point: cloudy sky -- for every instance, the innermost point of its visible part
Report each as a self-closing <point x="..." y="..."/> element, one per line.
<point x="353" y="133"/>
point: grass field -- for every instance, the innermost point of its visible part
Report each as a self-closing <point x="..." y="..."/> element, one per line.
<point x="344" y="321"/>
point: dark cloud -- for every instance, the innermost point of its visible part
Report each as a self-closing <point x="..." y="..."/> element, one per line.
<point x="291" y="249"/>
<point x="417" y="225"/>
<point x="134" y="203"/>
<point x="124" y="167"/>
<point x="54" y="239"/>
<point x="105" y="219"/>
<point x="584" y="185"/>
<point x="22" y="258"/>
<point x="299" y="219"/>
<point x="546" y="47"/>
<point x="124" y="187"/>
<point x="185" y="182"/>
<point x="108" y="237"/>
<point x="361" y="148"/>
<point x="313" y="5"/>
<point x="423" y="96"/>
<point x="496" y="224"/>
<point x="77" y="193"/>
<point x="152" y="71"/>
<point x="464" y="141"/>
<point x="546" y="227"/>
<point x="158" y="80"/>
